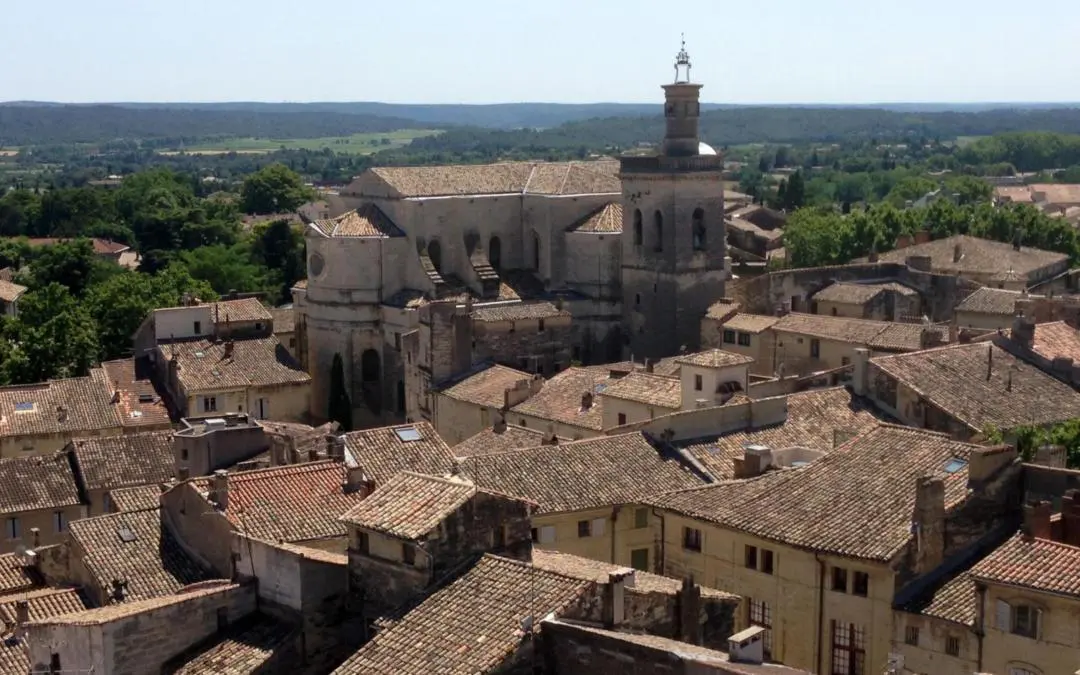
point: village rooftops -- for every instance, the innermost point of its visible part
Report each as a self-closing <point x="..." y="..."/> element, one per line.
<point x="367" y="221"/>
<point x="535" y="178"/>
<point x="955" y="600"/>
<point x="881" y="335"/>
<point x="471" y="626"/>
<point x="137" y="498"/>
<point x="385" y="451"/>
<point x="107" y="462"/>
<point x="605" y="220"/>
<point x="819" y="420"/>
<point x="487" y="387"/>
<point x="978" y="256"/>
<point x="137" y="402"/>
<point x="1032" y="563"/>
<point x="69" y="406"/>
<point x="518" y="311"/>
<point x="503" y="439"/>
<point x="859" y="294"/>
<point x="116" y="612"/>
<point x="560" y="398"/>
<point x="206" y="365"/>
<point x="1057" y="340"/>
<point x="992" y="301"/>
<point x="875" y="483"/>
<point x="714" y="358"/>
<point x="751" y="323"/>
<point x="981" y="384"/>
<point x="41" y="605"/>
<point x="35" y="483"/>
<point x="585" y="474"/>
<point x="247" y="646"/>
<point x="647" y="388"/>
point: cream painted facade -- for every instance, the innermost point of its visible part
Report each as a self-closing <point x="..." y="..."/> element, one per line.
<point x="1056" y="649"/>
<point x="52" y="526"/>
<point x="47" y="444"/>
<point x="627" y="538"/>
<point x="701" y="383"/>
<point x="285" y="402"/>
<point x="922" y="641"/>
<point x="805" y="353"/>
<point x="457" y="420"/>
<point x="619" y="411"/>
<point x="982" y="320"/>
<point x="747" y="344"/>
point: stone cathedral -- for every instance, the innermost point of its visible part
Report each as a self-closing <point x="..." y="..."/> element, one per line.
<point x="542" y="264"/>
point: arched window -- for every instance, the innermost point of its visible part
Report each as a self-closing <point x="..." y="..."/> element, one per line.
<point x="434" y="251"/>
<point x="698" y="222"/>
<point x="536" y="251"/>
<point x="637" y="227"/>
<point x="658" y="230"/>
<point x="495" y="253"/>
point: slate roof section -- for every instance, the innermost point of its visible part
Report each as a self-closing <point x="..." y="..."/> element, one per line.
<point x="489" y="441"/>
<point x="955" y="600"/>
<point x="35" y="483"/>
<point x="544" y="178"/>
<point x="647" y="388"/>
<point x="607" y="219"/>
<point x="1036" y="564"/>
<point x="1057" y="340"/>
<point x="751" y="323"/>
<point x="855" y="502"/>
<point x="151" y="560"/>
<point x="254" y="363"/>
<point x="471" y="626"/>
<point x="859" y="294"/>
<point x="137" y="402"/>
<point x="137" y="498"/>
<point x="715" y="358"/>
<point x="981" y="384"/>
<point x="383" y="452"/>
<point x="284" y="320"/>
<point x="245" y="647"/>
<point x="977" y="256"/>
<point x="815" y="419"/>
<point x="560" y="399"/>
<point x="598" y="572"/>
<point x="991" y="301"/>
<point x="487" y="387"/>
<point x="292" y="503"/>
<point x="518" y="311"/>
<point x="367" y="221"/>
<point x="66" y="406"/>
<point x="583" y="474"/>
<point x="107" y="462"/>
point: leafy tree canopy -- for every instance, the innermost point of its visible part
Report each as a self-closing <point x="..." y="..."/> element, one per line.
<point x="273" y="189"/>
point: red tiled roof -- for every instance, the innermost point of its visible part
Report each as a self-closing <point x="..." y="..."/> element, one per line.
<point x="1038" y="564"/>
<point x="138" y="404"/>
<point x="384" y="451"/>
<point x="1057" y="339"/>
<point x="410" y="505"/>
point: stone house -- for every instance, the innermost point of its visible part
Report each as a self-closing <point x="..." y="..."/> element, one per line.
<point x="9" y="297"/>
<point x="888" y="301"/>
<point x="42" y="497"/>
<point x="988" y="309"/>
<point x="105" y="463"/>
<point x="238" y="319"/>
<point x="415" y="529"/>
<point x="822" y="586"/>
<point x="285" y="328"/>
<point x="535" y="337"/>
<point x="741" y="334"/>
<point x="385" y="451"/>
<point x="31" y="605"/>
<point x="635" y="397"/>
<point x="467" y="405"/>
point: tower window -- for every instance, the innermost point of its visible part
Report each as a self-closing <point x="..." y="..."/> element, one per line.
<point x="699" y="229"/>
<point x="637" y="227"/>
<point x="658" y="229"/>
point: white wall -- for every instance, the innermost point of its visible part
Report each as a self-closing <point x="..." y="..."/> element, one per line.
<point x="179" y="322"/>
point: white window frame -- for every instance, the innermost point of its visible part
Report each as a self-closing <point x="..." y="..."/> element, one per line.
<point x="209" y="404"/>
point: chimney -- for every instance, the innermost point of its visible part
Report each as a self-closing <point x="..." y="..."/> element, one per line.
<point x="586" y="400"/>
<point x="22" y="617"/>
<point x="688" y="612"/>
<point x="1037" y="520"/>
<point x="313" y="454"/>
<point x="957" y="253"/>
<point x="357" y="481"/>
<point x="928" y="523"/>
<point x="219" y="489"/>
<point x="755" y="459"/>
<point x="183" y="473"/>
<point x="614" y="612"/>
<point x="500" y="422"/>
<point x="954" y="332"/>
<point x="119" y="590"/>
<point x="335" y="448"/>
<point x="115" y="394"/>
<point x="989" y="360"/>
<point x="648" y="366"/>
<point x="860" y="372"/>
<point x="228" y="349"/>
<point x="1070" y="518"/>
<point x="1023" y="331"/>
<point x="35" y="536"/>
<point x="550" y="439"/>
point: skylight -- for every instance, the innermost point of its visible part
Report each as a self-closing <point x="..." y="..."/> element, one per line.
<point x="601" y="387"/>
<point x="955" y="464"/>
<point x="408" y="434"/>
<point x="24" y="406"/>
<point x="146" y="398"/>
<point x="126" y="534"/>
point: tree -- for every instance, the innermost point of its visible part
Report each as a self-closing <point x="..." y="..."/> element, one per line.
<point x="795" y="197"/>
<point x="68" y="263"/>
<point x="340" y="407"/>
<point x="53" y="336"/>
<point x="280" y="247"/>
<point x="230" y="268"/>
<point x="273" y="189"/>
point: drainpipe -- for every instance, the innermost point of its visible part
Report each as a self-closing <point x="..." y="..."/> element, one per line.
<point x="818" y="651"/>
<point x="614" y="520"/>
<point x="663" y="544"/>
<point x="980" y="628"/>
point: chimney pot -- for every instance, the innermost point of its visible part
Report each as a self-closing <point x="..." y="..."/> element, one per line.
<point x="1037" y="520"/>
<point x="586" y="400"/>
<point x="183" y="473"/>
<point x="335" y="448"/>
<point x="219" y="489"/>
<point x="119" y="589"/>
<point x="35" y="536"/>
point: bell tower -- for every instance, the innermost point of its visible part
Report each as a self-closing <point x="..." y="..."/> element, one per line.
<point x="673" y="234"/>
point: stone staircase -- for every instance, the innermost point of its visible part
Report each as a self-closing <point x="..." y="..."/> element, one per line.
<point x="486" y="274"/>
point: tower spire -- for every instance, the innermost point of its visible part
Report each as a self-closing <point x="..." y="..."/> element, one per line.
<point x="682" y="63"/>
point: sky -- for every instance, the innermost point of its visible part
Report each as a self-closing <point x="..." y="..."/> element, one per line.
<point x="489" y="51"/>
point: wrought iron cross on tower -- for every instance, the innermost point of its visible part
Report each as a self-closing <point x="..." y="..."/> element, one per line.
<point x="682" y="63"/>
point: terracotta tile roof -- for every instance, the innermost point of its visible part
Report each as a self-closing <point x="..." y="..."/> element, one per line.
<point x="34" y="483"/>
<point x="560" y="399"/>
<point x="129" y="459"/>
<point x="366" y="221"/>
<point x="596" y="571"/>
<point x="472" y="626"/>
<point x="292" y="503"/>
<point x="1057" y="340"/>
<point x="487" y="387"/>
<point x="978" y="256"/>
<point x="100" y="246"/>
<point x="858" y="294"/>
<point x="812" y="419"/>
<point x="955" y="600"/>
<point x="667" y="367"/>
<point x="855" y="501"/>
<point x="518" y="311"/>
<point x="841" y="329"/>
<point x="583" y="474"/>
<point x="410" y="505"/>
<point x="67" y="406"/>
<point x="385" y="451"/>
<point x="647" y="388"/>
<point x="138" y="498"/>
<point x="109" y="613"/>
<point x="44" y="603"/>
<point x="954" y="379"/>
<point x="301" y="284"/>
<point x="1056" y="193"/>
<point x="243" y="309"/>
<point x="751" y="323"/>
<point x="906" y="337"/>
<point x="14" y="577"/>
<point x="605" y="220"/>
<point x="715" y="358"/>
<point x="245" y="647"/>
<point x="489" y="441"/>
<point x="254" y="363"/>
<point x="1014" y="193"/>
<point x="557" y="178"/>
<point x="723" y="309"/>
<point x="10" y="292"/>
<point x="284" y="320"/>
<point x="138" y="404"/>
<point x="151" y="560"/>
<point x="1038" y="564"/>
<point x="991" y="301"/>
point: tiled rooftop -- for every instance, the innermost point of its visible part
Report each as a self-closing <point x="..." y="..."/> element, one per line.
<point x="855" y="501"/>
<point x="366" y="221"/>
<point x="34" y="483"/>
<point x="751" y="323"/>
<point x="815" y="419"/>
<point x="556" y="178"/>
<point x="284" y="320"/>
<point x="14" y="577"/>
<point x="385" y="451"/>
<point x="10" y="292"/>
<point x="858" y="294"/>
<point x="605" y="220"/>
<point x="991" y="301"/>
<point x="981" y="384"/>
<point x="471" y="626"/>
<point x="977" y="256"/>
<point x="583" y="474"/>
<point x="906" y="337"/>
<point x="1038" y="564"/>
<point x="65" y="406"/>
<point x="134" y="547"/>
<point x="245" y="647"/>
<point x="259" y="362"/>
<point x="486" y="387"/>
<point x="518" y="311"/>
<point x="598" y="572"/>
<point x="725" y="307"/>
<point x="242" y="309"/>
<point x="120" y="461"/>
<point x="490" y="441"/>
<point x="44" y="603"/>
<point x="955" y="600"/>
<point x="715" y="358"/>
<point x="560" y="399"/>
<point x="291" y="503"/>
<point x="138" y="404"/>
<point x="114" y="612"/>
<point x="840" y="329"/>
<point x="410" y="505"/>
<point x="647" y="388"/>
<point x="137" y="498"/>
<point x="1057" y="340"/>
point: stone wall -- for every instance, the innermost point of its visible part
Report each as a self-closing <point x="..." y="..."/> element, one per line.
<point x="200" y="529"/>
<point x="522" y="345"/>
<point x="713" y="421"/>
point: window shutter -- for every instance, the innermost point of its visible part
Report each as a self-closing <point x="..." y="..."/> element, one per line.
<point x="1004" y="616"/>
<point x="598" y="527"/>
<point x="547" y="534"/>
<point x="1037" y="633"/>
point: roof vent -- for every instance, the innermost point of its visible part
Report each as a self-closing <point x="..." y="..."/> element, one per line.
<point x="146" y="398"/>
<point x="747" y="646"/>
<point x="126" y="534"/>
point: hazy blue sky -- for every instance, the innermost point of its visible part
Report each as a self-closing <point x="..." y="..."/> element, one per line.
<point x="556" y="50"/>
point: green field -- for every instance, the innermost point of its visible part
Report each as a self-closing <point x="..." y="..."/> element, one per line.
<point x="356" y="144"/>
